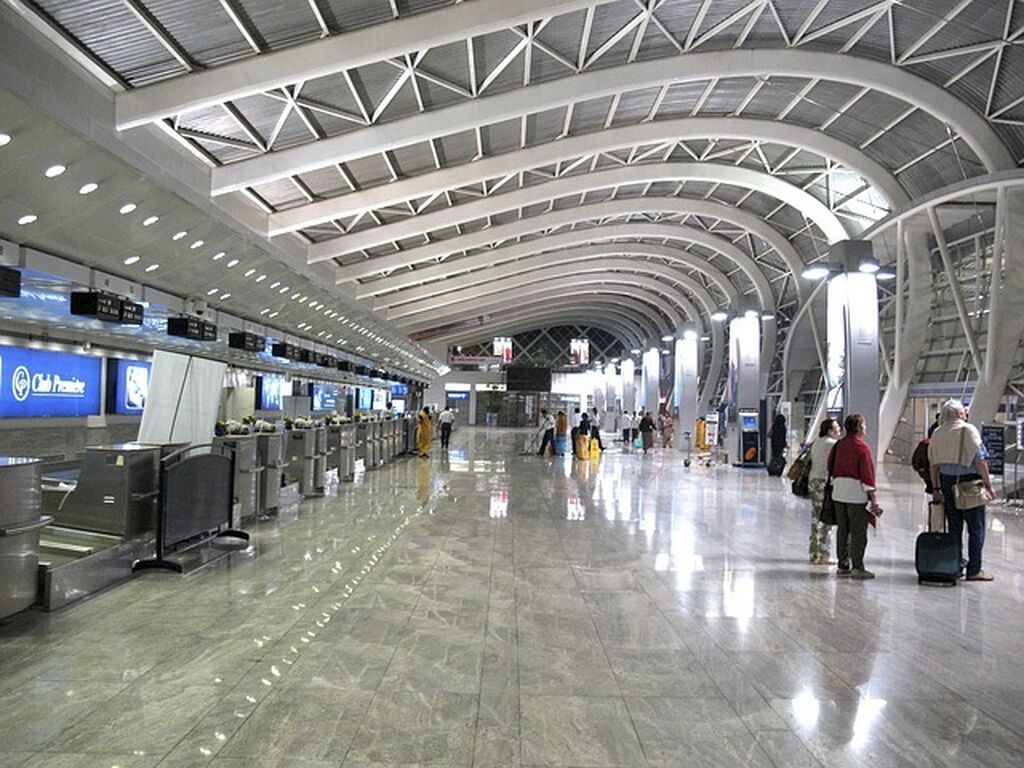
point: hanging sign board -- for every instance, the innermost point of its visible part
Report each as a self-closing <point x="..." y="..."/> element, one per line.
<point x="37" y="383"/>
<point x="992" y="436"/>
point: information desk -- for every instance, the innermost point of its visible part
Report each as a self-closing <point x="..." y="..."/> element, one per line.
<point x="20" y="523"/>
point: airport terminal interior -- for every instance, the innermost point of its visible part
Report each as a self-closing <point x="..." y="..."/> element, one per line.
<point x="436" y="382"/>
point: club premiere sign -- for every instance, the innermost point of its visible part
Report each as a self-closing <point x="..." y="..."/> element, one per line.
<point x="36" y="383"/>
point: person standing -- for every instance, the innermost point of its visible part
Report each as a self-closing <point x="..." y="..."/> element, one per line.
<point x="595" y="429"/>
<point x="547" y="427"/>
<point x="627" y="429"/>
<point x="667" y="428"/>
<point x="854" y="494"/>
<point x="561" y="432"/>
<point x="821" y="534"/>
<point x="957" y="455"/>
<point x="647" y="431"/>
<point x="574" y="432"/>
<point x="424" y="432"/>
<point x="446" y="418"/>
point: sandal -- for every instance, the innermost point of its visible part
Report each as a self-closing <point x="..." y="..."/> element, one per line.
<point x="980" y="576"/>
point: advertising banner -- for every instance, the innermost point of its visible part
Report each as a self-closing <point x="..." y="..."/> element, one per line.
<point x="127" y="386"/>
<point x="325" y="397"/>
<point x="503" y="349"/>
<point x="579" y="352"/>
<point x="37" y="383"/>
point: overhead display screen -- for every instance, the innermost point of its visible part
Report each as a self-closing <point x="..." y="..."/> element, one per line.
<point x="364" y="399"/>
<point x="521" y="378"/>
<point x="270" y="391"/>
<point x="35" y="383"/>
<point x="325" y="397"/>
<point x="380" y="399"/>
<point x="127" y="386"/>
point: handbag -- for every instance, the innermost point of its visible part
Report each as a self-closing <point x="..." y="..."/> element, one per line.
<point x="968" y="494"/>
<point x="828" y="506"/>
<point x="801" y="466"/>
<point x="801" y="487"/>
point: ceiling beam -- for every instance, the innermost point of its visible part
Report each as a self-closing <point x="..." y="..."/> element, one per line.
<point x="694" y="67"/>
<point x="683" y="129"/>
<point x="329" y="56"/>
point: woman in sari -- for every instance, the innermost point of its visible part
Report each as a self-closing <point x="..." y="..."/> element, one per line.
<point x="424" y="433"/>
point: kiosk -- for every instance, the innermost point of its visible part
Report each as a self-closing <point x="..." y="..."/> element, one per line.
<point x="750" y="438"/>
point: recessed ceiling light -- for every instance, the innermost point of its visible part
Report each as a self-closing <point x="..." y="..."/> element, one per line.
<point x="127" y="208"/>
<point x="196" y="244"/>
<point x="275" y="284"/>
<point x="273" y="314"/>
<point x="264" y="311"/>
<point x="225" y="296"/>
<point x="150" y="221"/>
<point x="250" y="272"/>
<point x="232" y="263"/>
<point x="88" y="189"/>
<point x="131" y="260"/>
<point x="178" y="235"/>
<point x="5" y="139"/>
<point x="54" y="171"/>
<point x="295" y="295"/>
<point x="212" y="291"/>
<point x="219" y="255"/>
<point x="152" y="267"/>
<point x="27" y="219"/>
<point x="261" y="278"/>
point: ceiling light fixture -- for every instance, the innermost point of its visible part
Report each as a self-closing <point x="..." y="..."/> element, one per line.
<point x="152" y="267"/>
<point x="131" y="260"/>
<point x="250" y="272"/>
<point x="274" y="285"/>
<point x="261" y="278"/>
<point x="54" y="171"/>
<point x="5" y="139"/>
<point x="212" y="291"/>
<point x="232" y="263"/>
<point x="814" y="273"/>
<point x="28" y="218"/>
<point x="225" y="296"/>
<point x="720" y="316"/>
<point x="88" y="188"/>
<point x="196" y="244"/>
<point x="219" y="255"/>
<point x="127" y="208"/>
<point x="178" y="235"/>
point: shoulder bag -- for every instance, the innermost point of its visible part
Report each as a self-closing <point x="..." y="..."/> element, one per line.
<point x="969" y="494"/>
<point x="828" y="505"/>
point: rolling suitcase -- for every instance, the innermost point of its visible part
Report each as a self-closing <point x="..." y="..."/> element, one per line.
<point x="937" y="555"/>
<point x="776" y="465"/>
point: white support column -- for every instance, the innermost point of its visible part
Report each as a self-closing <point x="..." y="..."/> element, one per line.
<point x="628" y="385"/>
<point x="913" y="273"/>
<point x="610" y="379"/>
<point x="745" y="386"/>
<point x="1006" y="316"/>
<point x="686" y="389"/>
<point x="651" y="382"/>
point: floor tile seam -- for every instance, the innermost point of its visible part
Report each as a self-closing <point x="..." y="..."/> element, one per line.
<point x="328" y="595"/>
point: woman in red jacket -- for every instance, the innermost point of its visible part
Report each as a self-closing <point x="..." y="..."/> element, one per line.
<point x="853" y="490"/>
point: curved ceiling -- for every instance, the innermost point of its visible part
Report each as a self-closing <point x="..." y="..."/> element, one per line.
<point x="422" y="155"/>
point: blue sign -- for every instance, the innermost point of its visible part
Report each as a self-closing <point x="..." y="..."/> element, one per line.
<point x="35" y="383"/>
<point x="325" y="397"/>
<point x="130" y="380"/>
<point x="399" y="389"/>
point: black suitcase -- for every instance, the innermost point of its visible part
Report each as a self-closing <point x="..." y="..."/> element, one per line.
<point x="776" y="465"/>
<point x="937" y="556"/>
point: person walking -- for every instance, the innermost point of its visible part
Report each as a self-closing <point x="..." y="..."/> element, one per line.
<point x="446" y="418"/>
<point x="424" y="432"/>
<point x="957" y="455"/>
<point x="547" y="428"/>
<point x="854" y="494"/>
<point x="667" y="428"/>
<point x="561" y="432"/>
<point x="627" y="430"/>
<point x="647" y="431"/>
<point x="595" y="429"/>
<point x="820" y="550"/>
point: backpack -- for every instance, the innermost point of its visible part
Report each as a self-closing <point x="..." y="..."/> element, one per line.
<point x="919" y="460"/>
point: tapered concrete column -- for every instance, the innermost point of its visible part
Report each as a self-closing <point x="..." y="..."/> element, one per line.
<point x="628" y="385"/>
<point x="610" y="380"/>
<point x="651" y="382"/>
<point x="914" y="271"/>
<point x="1006" y="315"/>
<point x="711" y="385"/>
<point x="686" y="369"/>
<point x="745" y="391"/>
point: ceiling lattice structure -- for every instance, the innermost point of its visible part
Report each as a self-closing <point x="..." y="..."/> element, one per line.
<point x="479" y="164"/>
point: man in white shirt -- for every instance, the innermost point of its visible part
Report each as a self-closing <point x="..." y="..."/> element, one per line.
<point x="574" y="428"/>
<point x="446" y="418"/>
<point x="595" y="428"/>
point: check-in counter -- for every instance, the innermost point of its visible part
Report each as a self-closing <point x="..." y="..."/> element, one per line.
<point x="410" y="434"/>
<point x="270" y="455"/>
<point x="115" y="492"/>
<point x="372" y="445"/>
<point x="21" y="521"/>
<point x="341" y="443"/>
<point x="362" y="430"/>
<point x="247" y="472"/>
<point x="320" y="458"/>
<point x="300" y="448"/>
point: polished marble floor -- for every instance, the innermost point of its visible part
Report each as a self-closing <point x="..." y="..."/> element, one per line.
<point x="486" y="608"/>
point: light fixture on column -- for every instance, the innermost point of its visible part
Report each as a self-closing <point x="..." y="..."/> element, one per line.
<point x="751" y="313"/>
<point x="816" y="272"/>
<point x="884" y="274"/>
<point x="636" y="351"/>
<point x="720" y="316"/>
<point x="667" y="337"/>
<point x="767" y="316"/>
<point x="868" y="265"/>
<point x="689" y="334"/>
